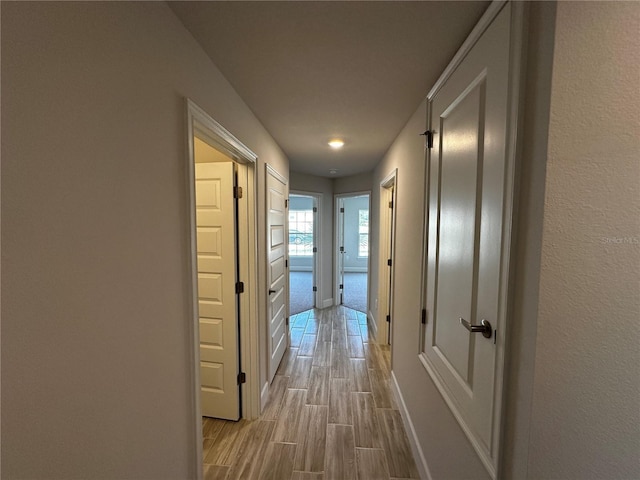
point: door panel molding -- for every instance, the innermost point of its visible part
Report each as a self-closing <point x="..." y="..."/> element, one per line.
<point x="276" y="196"/>
<point x="460" y="375"/>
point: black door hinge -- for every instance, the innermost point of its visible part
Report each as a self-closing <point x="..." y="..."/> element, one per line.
<point x="286" y="264"/>
<point x="391" y="204"/>
<point x="315" y="249"/>
<point x="424" y="316"/>
<point x="389" y="262"/>
<point x="429" y="135"/>
<point x="341" y="286"/>
<point x="287" y="321"/>
<point x="342" y="249"/>
<point x="239" y="287"/>
<point x="315" y="209"/>
<point x="315" y="289"/>
<point x="286" y="203"/>
<point x="342" y="210"/>
<point x="237" y="192"/>
<point x="242" y="378"/>
<point x="388" y="318"/>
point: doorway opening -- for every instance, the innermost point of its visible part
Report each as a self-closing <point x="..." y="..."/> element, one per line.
<point x="303" y="252"/>
<point x="352" y="250"/>
<point x="222" y="253"/>
<point x="386" y="258"/>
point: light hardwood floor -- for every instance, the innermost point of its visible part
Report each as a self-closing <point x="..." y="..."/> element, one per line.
<point x="330" y="414"/>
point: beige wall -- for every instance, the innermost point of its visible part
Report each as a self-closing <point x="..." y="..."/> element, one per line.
<point x="352" y="183"/>
<point x="96" y="345"/>
<point x="585" y="417"/>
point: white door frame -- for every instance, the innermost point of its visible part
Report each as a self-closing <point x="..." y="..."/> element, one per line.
<point x="317" y="218"/>
<point x="200" y="124"/>
<point x="337" y="229"/>
<point x="387" y="235"/>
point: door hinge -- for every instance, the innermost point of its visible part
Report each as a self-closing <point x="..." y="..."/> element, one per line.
<point x="341" y="209"/>
<point x="286" y="264"/>
<point x="315" y="249"/>
<point x="341" y="286"/>
<point x="388" y="318"/>
<point x="286" y="204"/>
<point x="391" y="204"/>
<point x="315" y="289"/>
<point x="242" y="378"/>
<point x="389" y="262"/>
<point x="237" y="192"/>
<point x="424" y="316"/>
<point x="287" y="321"/>
<point x="315" y="209"/>
<point x="429" y="135"/>
<point x="239" y="287"/>
<point x="342" y="249"/>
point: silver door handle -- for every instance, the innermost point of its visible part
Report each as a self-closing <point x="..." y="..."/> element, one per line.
<point x="271" y="291"/>
<point x="484" y="327"/>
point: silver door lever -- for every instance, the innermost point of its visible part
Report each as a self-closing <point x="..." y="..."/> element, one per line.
<point x="484" y="327"/>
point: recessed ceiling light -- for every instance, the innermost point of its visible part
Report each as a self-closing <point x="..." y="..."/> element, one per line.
<point x="333" y="171"/>
<point x="336" y="143"/>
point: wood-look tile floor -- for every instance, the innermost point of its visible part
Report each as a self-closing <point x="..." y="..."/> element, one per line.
<point x="330" y="415"/>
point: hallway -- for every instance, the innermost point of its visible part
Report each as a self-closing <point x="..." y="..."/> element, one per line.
<point x="331" y="411"/>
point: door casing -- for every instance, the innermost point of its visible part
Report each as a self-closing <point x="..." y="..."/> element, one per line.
<point x="386" y="251"/>
<point x="339" y="233"/>
<point x="202" y="125"/>
<point x="317" y="216"/>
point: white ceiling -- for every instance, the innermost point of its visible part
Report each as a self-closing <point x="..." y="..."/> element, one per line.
<point x="311" y="71"/>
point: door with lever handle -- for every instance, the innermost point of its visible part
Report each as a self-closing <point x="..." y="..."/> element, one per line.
<point x="484" y="327"/>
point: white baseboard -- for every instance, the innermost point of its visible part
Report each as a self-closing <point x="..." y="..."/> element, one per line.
<point x="372" y="324"/>
<point x="421" y="462"/>
<point x="327" y="303"/>
<point x="264" y="396"/>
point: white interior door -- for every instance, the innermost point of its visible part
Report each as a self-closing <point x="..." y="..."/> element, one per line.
<point x="341" y="251"/>
<point x="467" y="204"/>
<point x="216" y="260"/>
<point x="276" y="272"/>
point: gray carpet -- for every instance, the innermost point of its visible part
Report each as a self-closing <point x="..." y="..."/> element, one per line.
<point x="355" y="291"/>
<point x="301" y="292"/>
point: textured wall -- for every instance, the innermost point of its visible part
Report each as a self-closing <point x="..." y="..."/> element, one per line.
<point x="586" y="398"/>
<point x="96" y="342"/>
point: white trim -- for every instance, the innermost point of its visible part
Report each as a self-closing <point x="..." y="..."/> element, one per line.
<point x="387" y="223"/>
<point x="421" y="463"/>
<point x="200" y="124"/>
<point x="194" y="327"/>
<point x="328" y="302"/>
<point x="269" y="170"/>
<point x="318" y="278"/>
<point x="484" y="22"/>
<point x="264" y="395"/>
<point x="372" y="324"/>
<point x="276" y="174"/>
<point x="337" y="231"/>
